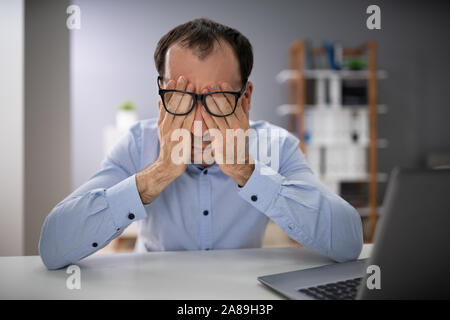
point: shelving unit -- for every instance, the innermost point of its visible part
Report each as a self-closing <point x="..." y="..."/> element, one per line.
<point x="328" y="103"/>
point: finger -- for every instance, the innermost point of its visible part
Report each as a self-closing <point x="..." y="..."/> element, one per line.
<point x="187" y="100"/>
<point x="179" y="97"/>
<point x="207" y="117"/>
<point x="210" y="123"/>
<point x="176" y="97"/>
<point x="170" y="86"/>
<point x="167" y="116"/>
<point x="219" y="103"/>
<point x="162" y="112"/>
<point x="184" y="106"/>
<point x="217" y="146"/>
<point x="246" y="108"/>
<point x="188" y="121"/>
<point x="226" y="87"/>
<point x="237" y="115"/>
<point x="219" y="121"/>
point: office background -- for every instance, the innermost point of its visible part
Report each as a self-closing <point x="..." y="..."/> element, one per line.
<point x="60" y="88"/>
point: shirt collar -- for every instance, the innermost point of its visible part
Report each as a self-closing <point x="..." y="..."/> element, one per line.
<point x="196" y="168"/>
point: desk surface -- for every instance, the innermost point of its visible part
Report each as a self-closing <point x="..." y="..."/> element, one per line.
<point x="215" y="274"/>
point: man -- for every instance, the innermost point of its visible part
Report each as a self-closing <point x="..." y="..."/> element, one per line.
<point x="202" y="202"/>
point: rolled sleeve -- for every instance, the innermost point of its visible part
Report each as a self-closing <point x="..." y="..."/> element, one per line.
<point x="125" y="203"/>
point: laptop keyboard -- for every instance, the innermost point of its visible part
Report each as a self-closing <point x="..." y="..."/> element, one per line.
<point x="341" y="290"/>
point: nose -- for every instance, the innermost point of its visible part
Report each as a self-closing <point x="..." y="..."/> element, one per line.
<point x="198" y="117"/>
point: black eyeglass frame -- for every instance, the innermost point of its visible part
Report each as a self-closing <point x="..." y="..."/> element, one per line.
<point x="201" y="97"/>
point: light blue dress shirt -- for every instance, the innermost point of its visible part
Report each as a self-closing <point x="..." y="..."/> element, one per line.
<point x="202" y="209"/>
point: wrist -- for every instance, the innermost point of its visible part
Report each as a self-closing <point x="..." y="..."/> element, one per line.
<point x="142" y="187"/>
<point x="153" y="180"/>
<point x="243" y="174"/>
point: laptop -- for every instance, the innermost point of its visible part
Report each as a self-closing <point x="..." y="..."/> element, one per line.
<point x="412" y="249"/>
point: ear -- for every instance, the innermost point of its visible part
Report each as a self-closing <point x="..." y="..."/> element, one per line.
<point x="248" y="95"/>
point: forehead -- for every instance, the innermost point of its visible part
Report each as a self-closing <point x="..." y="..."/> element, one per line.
<point x="221" y="65"/>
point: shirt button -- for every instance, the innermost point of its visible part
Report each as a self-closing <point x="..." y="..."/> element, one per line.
<point x="131" y="216"/>
<point x="205" y="172"/>
<point x="254" y="198"/>
<point x="205" y="213"/>
<point x="95" y="244"/>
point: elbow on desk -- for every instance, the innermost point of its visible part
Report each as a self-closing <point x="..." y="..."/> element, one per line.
<point x="50" y="263"/>
<point x="348" y="242"/>
<point x="353" y="243"/>
<point x="48" y="247"/>
<point x="350" y="253"/>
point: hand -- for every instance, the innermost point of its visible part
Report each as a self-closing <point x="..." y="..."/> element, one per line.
<point x="156" y="177"/>
<point x="168" y="123"/>
<point x="241" y="166"/>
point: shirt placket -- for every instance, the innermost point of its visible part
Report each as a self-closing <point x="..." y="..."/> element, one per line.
<point x="205" y="211"/>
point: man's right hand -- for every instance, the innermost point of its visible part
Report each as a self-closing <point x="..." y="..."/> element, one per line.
<point x="156" y="177"/>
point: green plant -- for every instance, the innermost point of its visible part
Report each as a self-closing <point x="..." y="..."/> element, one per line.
<point x="356" y="63"/>
<point x="127" y="106"/>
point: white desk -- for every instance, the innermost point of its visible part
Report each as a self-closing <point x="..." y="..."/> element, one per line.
<point x="215" y="274"/>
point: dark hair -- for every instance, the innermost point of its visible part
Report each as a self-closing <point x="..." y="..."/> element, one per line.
<point x="200" y="35"/>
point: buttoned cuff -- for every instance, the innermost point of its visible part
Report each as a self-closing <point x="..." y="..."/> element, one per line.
<point x="125" y="203"/>
<point x="262" y="188"/>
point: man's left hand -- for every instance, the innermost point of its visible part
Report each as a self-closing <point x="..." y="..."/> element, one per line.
<point x="240" y="167"/>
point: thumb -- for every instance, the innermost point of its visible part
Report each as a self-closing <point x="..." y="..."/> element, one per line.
<point x="161" y="113"/>
<point x="247" y="109"/>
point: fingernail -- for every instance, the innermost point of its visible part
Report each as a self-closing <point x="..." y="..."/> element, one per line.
<point x="180" y="80"/>
<point x="213" y="87"/>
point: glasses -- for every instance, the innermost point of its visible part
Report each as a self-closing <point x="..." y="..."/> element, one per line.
<point x="217" y="103"/>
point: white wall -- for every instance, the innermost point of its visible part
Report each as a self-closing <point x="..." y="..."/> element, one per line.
<point x="34" y="118"/>
<point x="47" y="113"/>
<point x="11" y="127"/>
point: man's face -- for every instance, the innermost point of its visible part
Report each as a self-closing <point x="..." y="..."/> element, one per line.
<point x="220" y="66"/>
